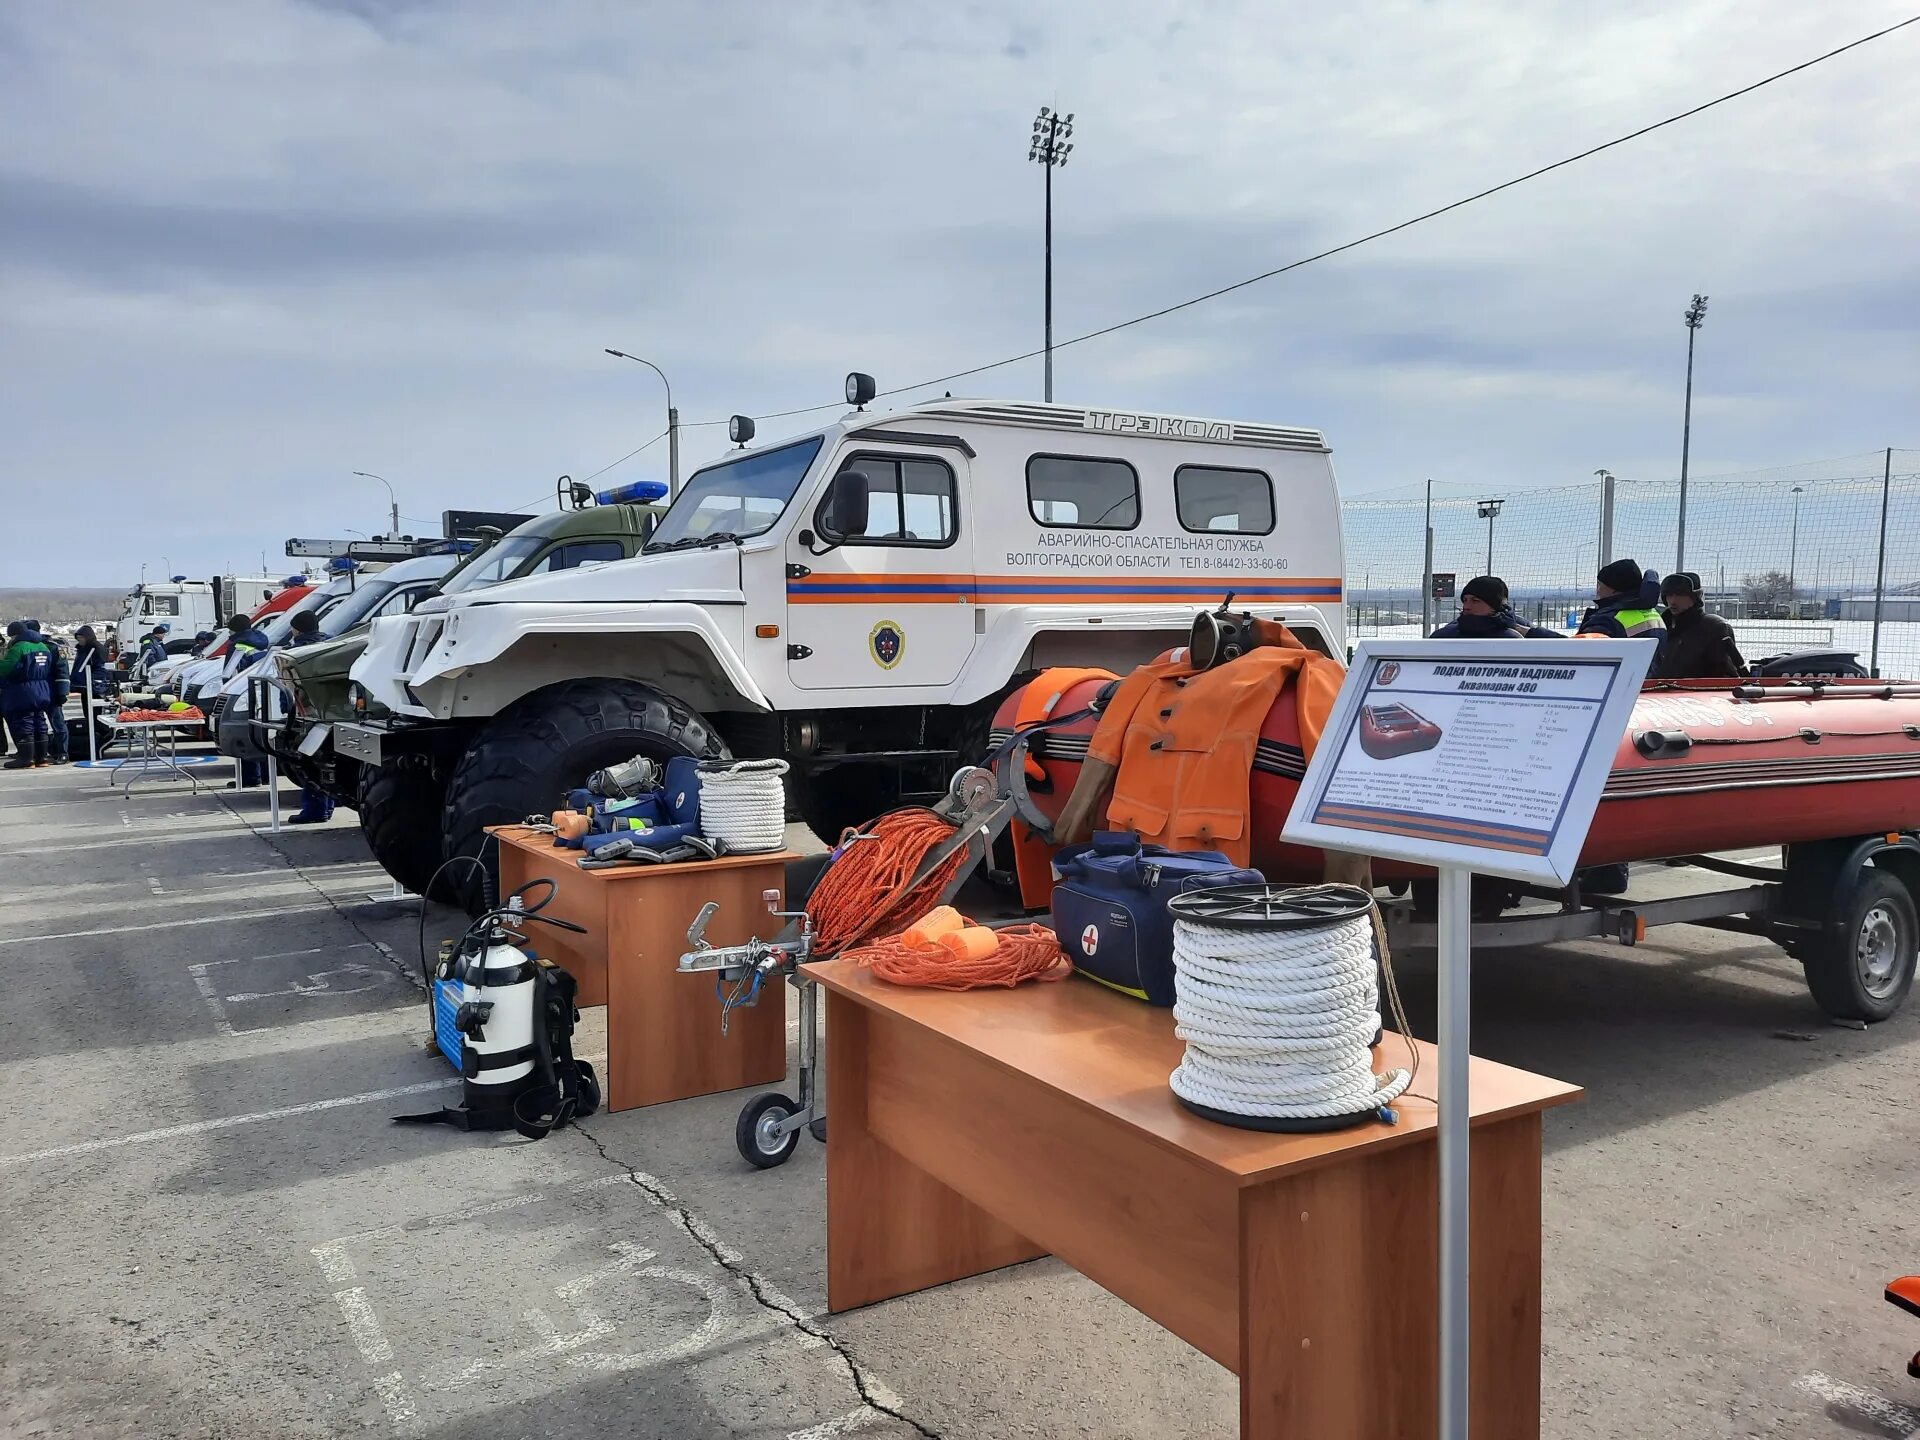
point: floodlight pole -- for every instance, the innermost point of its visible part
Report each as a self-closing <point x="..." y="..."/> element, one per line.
<point x="1049" y="146"/>
<point x="1489" y="509"/>
<point x="1695" y="317"/>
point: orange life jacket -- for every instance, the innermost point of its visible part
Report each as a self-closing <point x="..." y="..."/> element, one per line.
<point x="1184" y="743"/>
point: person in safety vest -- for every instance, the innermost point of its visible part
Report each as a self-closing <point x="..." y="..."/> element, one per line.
<point x="1699" y="646"/>
<point x="154" y="648"/>
<point x="316" y="806"/>
<point x="1486" y="614"/>
<point x="1625" y="598"/>
<point x="25" y="688"/>
<point x="246" y="643"/>
<point x="60" y="683"/>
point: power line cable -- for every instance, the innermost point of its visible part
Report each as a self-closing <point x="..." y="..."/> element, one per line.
<point x="601" y="471"/>
<point x="1380" y="234"/>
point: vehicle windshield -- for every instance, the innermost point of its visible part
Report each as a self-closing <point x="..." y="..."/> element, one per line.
<point x="497" y="564"/>
<point x="735" y="499"/>
<point x="355" y="607"/>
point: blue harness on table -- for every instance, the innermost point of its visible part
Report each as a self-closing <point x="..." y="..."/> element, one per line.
<point x="655" y="820"/>
<point x="1110" y="907"/>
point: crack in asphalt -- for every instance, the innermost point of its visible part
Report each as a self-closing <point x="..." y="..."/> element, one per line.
<point x="696" y="1231"/>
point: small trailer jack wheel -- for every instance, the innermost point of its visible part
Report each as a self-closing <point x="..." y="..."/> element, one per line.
<point x="758" y="1134"/>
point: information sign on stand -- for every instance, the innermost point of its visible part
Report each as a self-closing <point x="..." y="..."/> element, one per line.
<point x="1481" y="757"/>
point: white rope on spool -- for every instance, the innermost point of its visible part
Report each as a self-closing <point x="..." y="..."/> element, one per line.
<point x="744" y="805"/>
<point x="1279" y="1020"/>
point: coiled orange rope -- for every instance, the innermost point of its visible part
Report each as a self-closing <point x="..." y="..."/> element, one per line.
<point x="863" y="892"/>
<point x="946" y="951"/>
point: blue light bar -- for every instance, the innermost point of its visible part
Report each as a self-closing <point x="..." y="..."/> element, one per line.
<point x="637" y="492"/>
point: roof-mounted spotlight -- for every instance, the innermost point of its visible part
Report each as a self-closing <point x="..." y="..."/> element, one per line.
<point x="740" y="429"/>
<point x="860" y="389"/>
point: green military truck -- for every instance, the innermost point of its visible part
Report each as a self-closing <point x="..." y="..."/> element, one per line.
<point x="315" y="678"/>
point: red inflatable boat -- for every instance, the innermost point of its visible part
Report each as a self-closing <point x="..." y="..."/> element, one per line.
<point x="1390" y="731"/>
<point x="1705" y="765"/>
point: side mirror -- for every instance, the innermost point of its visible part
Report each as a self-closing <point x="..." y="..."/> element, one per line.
<point x="843" y="513"/>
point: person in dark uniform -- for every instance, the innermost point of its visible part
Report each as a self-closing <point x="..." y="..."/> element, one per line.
<point x="316" y="806"/>
<point x="154" y="649"/>
<point x="89" y="658"/>
<point x="246" y="643"/>
<point x="1699" y="646"/>
<point x="60" y="683"/>
<point x="25" y="667"/>
<point x="1486" y="614"/>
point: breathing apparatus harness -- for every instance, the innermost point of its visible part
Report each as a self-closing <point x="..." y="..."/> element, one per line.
<point x="544" y="1086"/>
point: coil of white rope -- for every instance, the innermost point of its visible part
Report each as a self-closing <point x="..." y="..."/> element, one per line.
<point x="1279" y="1020"/>
<point x="744" y="804"/>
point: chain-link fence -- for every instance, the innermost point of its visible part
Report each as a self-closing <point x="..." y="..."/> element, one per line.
<point x="1799" y="558"/>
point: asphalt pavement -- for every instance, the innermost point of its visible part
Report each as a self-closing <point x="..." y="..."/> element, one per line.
<point x="212" y="1229"/>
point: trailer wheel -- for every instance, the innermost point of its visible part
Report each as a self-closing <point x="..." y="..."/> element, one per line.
<point x="1862" y="968"/>
<point x="753" y="1132"/>
<point x="546" y="744"/>
<point x="399" y="809"/>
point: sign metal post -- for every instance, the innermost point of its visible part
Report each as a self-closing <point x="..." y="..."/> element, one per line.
<point x="1472" y="757"/>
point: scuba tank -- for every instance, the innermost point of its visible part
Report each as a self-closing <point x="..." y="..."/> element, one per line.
<point x="505" y="1017"/>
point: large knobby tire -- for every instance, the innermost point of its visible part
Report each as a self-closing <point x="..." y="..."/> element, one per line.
<point x="400" y="804"/>
<point x="1862" y="967"/>
<point x="546" y="744"/>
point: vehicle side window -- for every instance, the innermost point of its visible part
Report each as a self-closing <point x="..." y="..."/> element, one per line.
<point x="1079" y="491"/>
<point x="400" y="602"/>
<point x="163" y="605"/>
<point x="1212" y="498"/>
<point x="581" y="552"/>
<point x="910" y="500"/>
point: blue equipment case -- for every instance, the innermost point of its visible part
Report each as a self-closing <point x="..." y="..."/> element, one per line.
<point x="1110" y="907"/>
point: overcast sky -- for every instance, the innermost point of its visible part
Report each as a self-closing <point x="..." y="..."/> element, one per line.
<point x="246" y="249"/>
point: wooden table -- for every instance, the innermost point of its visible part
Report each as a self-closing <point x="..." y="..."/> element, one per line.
<point x="663" y="1028"/>
<point x="980" y="1129"/>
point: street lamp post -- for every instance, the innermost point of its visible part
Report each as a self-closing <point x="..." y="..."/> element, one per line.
<point x="394" y="500"/>
<point x="1793" y="555"/>
<point x="1050" y="146"/>
<point x="1488" y="510"/>
<point x="673" y="421"/>
<point x="1695" y="317"/>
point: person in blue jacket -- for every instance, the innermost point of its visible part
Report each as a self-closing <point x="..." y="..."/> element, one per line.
<point x="60" y="682"/>
<point x="316" y="806"/>
<point x="25" y="687"/>
<point x="154" y="649"/>
<point x="246" y="643"/>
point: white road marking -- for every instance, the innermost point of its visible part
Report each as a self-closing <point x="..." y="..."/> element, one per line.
<point x="335" y="1263"/>
<point x="204" y="984"/>
<point x="1900" y="1420"/>
<point x="396" y="1397"/>
<point x="224" y="1122"/>
<point x="163" y="925"/>
<point x="126" y="819"/>
<point x="840" y="1425"/>
<point x="154" y="885"/>
<point x="364" y="1326"/>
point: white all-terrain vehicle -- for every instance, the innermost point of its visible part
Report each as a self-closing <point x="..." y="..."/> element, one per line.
<point x="855" y="600"/>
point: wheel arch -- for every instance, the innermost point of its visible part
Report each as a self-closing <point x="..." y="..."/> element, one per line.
<point x="679" y="662"/>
